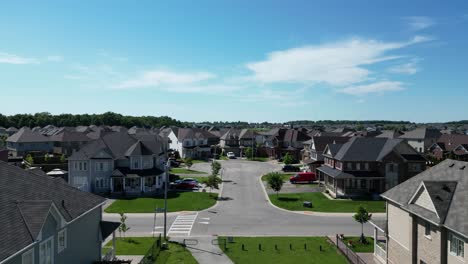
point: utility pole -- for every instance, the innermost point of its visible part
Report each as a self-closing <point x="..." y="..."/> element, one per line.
<point x="168" y="165"/>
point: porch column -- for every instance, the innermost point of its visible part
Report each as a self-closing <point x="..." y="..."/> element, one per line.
<point x="113" y="245"/>
<point x="123" y="183"/>
<point x="141" y="184"/>
<point x="112" y="184"/>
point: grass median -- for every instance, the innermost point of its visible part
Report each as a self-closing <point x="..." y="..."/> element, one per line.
<point x="176" y="201"/>
<point x="302" y="250"/>
<point x="320" y="203"/>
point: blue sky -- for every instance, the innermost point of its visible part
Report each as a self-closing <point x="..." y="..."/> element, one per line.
<point x="237" y="60"/>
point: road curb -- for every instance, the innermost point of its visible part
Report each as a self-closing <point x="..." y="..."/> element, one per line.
<point x="307" y="212"/>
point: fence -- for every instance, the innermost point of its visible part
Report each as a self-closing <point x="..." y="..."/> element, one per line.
<point x="349" y="253"/>
<point x="153" y="252"/>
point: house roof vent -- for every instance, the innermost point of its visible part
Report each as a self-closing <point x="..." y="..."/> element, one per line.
<point x="446" y="188"/>
<point x="462" y="168"/>
<point x="451" y="165"/>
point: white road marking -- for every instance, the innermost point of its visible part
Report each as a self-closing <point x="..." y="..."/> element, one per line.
<point x="183" y="224"/>
<point x="205" y="223"/>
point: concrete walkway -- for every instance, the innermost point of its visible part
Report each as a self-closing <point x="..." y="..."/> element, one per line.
<point x="205" y="251"/>
<point x="134" y="258"/>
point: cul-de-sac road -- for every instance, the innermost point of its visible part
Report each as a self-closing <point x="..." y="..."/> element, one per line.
<point x="244" y="211"/>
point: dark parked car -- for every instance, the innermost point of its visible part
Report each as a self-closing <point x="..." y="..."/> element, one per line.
<point x="290" y="168"/>
<point x="186" y="184"/>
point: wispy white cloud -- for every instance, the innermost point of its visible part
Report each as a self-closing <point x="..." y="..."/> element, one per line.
<point x="338" y="64"/>
<point x="420" y="22"/>
<point x="161" y="78"/>
<point x="410" y="67"/>
<point x="9" y="58"/>
<point x="55" y="58"/>
<point x="377" y="87"/>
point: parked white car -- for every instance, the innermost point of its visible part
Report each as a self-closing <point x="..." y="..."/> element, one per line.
<point x="231" y="155"/>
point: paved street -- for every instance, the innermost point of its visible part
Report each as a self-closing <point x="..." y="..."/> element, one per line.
<point x="244" y="211"/>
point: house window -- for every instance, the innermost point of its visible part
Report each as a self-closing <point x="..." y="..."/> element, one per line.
<point x="366" y="166"/>
<point x="46" y="251"/>
<point x="101" y="166"/>
<point x="363" y="184"/>
<point x="28" y="257"/>
<point x="427" y="229"/>
<point x="349" y="166"/>
<point x="457" y="246"/>
<point x="62" y="240"/>
<point x="358" y="166"/>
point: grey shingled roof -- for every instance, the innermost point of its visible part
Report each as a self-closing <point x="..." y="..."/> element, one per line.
<point x="450" y="173"/>
<point x="422" y="133"/>
<point x="27" y="135"/>
<point x="119" y="145"/>
<point x="24" y="198"/>
<point x="366" y="149"/>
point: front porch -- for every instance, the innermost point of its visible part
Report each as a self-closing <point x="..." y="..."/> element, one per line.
<point x="353" y="186"/>
<point x="135" y="184"/>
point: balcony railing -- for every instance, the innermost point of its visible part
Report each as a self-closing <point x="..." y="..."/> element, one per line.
<point x="380" y="252"/>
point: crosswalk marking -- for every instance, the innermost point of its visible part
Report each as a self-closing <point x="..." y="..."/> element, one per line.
<point x="183" y="224"/>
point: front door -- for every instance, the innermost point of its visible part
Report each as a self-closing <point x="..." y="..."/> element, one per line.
<point x="118" y="184"/>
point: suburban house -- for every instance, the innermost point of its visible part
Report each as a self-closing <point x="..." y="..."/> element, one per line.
<point x="11" y="130"/>
<point x="422" y="138"/>
<point x="229" y="141"/>
<point x="191" y="142"/>
<point x="25" y="141"/>
<point x="314" y="147"/>
<point x="426" y="218"/>
<point x="448" y="145"/>
<point x="390" y="134"/>
<point x="366" y="166"/>
<point x="44" y="220"/>
<point x="282" y="141"/>
<point x="119" y="163"/>
<point x="66" y="141"/>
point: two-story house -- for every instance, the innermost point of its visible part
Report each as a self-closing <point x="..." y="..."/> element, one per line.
<point x="229" y="141"/>
<point x="44" y="220"/>
<point x="365" y="166"/>
<point x="314" y="147"/>
<point x="119" y="163"/>
<point x="283" y="141"/>
<point x="191" y="142"/>
<point x="26" y="141"/>
<point x="450" y="145"/>
<point x="422" y="138"/>
<point x="426" y="218"/>
<point x="67" y="141"/>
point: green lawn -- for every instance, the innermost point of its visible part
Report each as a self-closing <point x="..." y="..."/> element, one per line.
<point x="140" y="246"/>
<point x="177" y="201"/>
<point x="185" y="171"/>
<point x="358" y="247"/>
<point x="268" y="253"/>
<point x="132" y="245"/>
<point x="320" y="203"/>
<point x="198" y="161"/>
<point x="176" y="254"/>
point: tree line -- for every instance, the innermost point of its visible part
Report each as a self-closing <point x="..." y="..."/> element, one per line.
<point x="108" y="118"/>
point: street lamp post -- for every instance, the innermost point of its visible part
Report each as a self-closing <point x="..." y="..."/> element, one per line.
<point x="168" y="165"/>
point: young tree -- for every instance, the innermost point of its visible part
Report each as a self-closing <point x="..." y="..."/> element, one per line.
<point x="288" y="159"/>
<point x="249" y="153"/>
<point x="213" y="182"/>
<point x="215" y="168"/>
<point x="188" y="162"/>
<point x="29" y="159"/>
<point x="46" y="158"/>
<point x="123" y="225"/>
<point x="275" y="181"/>
<point x="362" y="216"/>
<point x="63" y="159"/>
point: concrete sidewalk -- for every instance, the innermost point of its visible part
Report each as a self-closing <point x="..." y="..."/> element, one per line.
<point x="204" y="251"/>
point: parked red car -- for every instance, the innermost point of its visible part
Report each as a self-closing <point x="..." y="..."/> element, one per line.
<point x="185" y="184"/>
<point x="303" y="177"/>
